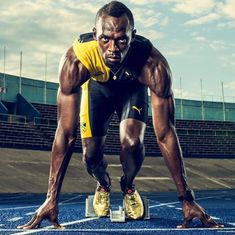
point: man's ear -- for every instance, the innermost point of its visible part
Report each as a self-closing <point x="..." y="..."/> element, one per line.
<point x="133" y="34"/>
<point x="94" y="33"/>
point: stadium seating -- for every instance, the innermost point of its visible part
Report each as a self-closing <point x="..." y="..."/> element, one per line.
<point x="197" y="138"/>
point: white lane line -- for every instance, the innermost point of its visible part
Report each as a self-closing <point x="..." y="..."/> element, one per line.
<point x="208" y="178"/>
<point x="152" y="178"/>
<point x="119" y="165"/>
<point x="30" y="213"/>
<point x="231" y="223"/>
<point x="178" y="208"/>
<point x="70" y="199"/>
<point x="172" y="203"/>
<point x="15" y="219"/>
<point x="26" y="207"/>
<point x="16" y="208"/>
<point x="50" y="228"/>
<point x="119" y="230"/>
<point x="146" y="178"/>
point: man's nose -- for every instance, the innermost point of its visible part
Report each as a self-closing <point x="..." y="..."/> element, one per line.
<point x="113" y="46"/>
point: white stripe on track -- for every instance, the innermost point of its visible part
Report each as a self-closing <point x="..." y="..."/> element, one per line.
<point x="208" y="178"/>
<point x="15" y="219"/>
<point x="50" y="228"/>
<point x="117" y="230"/>
<point x="26" y="207"/>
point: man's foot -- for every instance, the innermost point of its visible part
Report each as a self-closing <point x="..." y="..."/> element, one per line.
<point x="101" y="202"/>
<point x="133" y="204"/>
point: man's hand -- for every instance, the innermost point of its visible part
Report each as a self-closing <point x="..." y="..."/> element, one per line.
<point x="46" y="211"/>
<point x="192" y="210"/>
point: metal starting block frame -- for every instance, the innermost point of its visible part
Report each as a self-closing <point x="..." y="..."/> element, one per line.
<point x="89" y="211"/>
<point x="115" y="215"/>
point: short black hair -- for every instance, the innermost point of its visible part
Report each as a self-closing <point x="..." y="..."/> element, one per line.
<point x="116" y="9"/>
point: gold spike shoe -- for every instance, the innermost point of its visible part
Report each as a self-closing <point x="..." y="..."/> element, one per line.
<point x="101" y="202"/>
<point x="133" y="204"/>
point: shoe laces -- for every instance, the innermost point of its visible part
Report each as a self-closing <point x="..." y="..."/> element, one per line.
<point x="103" y="194"/>
<point x="130" y="193"/>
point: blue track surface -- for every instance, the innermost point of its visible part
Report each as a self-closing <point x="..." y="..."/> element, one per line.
<point x="165" y="212"/>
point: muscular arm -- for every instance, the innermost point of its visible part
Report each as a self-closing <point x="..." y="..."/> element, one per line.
<point x="72" y="75"/>
<point x="156" y="75"/>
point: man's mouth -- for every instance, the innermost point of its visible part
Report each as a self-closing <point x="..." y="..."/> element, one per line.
<point x="114" y="58"/>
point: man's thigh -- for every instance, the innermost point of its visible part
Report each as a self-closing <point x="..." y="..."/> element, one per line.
<point x="96" y="109"/>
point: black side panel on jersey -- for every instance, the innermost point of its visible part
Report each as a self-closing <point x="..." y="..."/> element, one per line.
<point x="86" y="37"/>
<point x="139" y="53"/>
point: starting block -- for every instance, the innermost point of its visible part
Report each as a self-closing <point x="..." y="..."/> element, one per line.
<point x="89" y="211"/>
<point x="146" y="208"/>
<point x="115" y="215"/>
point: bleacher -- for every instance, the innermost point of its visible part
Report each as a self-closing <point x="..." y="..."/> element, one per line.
<point x="22" y="135"/>
<point x="197" y="138"/>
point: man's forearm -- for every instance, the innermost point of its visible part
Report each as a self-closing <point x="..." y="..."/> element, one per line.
<point x="172" y="154"/>
<point x="61" y="154"/>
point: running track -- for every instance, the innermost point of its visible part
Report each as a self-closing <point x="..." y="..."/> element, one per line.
<point x="165" y="212"/>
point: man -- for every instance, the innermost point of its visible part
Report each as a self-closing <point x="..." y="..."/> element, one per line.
<point x="115" y="67"/>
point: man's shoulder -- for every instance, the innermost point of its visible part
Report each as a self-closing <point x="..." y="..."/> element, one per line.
<point x="141" y="39"/>
<point x="140" y="51"/>
<point x="141" y="46"/>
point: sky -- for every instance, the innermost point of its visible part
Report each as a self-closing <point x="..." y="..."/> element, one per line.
<point x="197" y="37"/>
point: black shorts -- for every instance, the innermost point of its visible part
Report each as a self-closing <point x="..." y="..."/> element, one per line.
<point x="101" y="99"/>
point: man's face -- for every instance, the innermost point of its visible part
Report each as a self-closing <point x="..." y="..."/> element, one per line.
<point x="113" y="35"/>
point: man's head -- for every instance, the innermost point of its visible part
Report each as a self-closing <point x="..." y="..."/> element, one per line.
<point x="114" y="30"/>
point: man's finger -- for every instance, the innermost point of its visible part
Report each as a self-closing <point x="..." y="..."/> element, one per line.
<point x="27" y="224"/>
<point x="209" y="222"/>
<point x="56" y="224"/>
<point x="185" y="223"/>
<point x="35" y="222"/>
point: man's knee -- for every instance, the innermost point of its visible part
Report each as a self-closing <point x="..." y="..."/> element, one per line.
<point x="131" y="144"/>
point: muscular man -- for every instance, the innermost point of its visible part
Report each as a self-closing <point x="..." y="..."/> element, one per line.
<point x="115" y="67"/>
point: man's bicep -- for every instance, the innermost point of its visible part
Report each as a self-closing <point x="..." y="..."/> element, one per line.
<point x="162" y="113"/>
<point x="68" y="111"/>
<point x="72" y="73"/>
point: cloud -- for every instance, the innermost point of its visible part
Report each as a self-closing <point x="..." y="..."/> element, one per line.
<point x="204" y="19"/>
<point x="176" y="52"/>
<point x="186" y="94"/>
<point x="152" y="34"/>
<point x="228" y="24"/>
<point x="228" y="61"/>
<point x="193" y="7"/>
<point x="215" y="45"/>
<point x="147" y="2"/>
<point x="230" y="85"/>
<point x="227" y="8"/>
<point x="200" y="39"/>
<point x="147" y="18"/>
<point x="40" y="27"/>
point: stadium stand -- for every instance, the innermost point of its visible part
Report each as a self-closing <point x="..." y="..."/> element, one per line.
<point x="28" y="122"/>
<point x="198" y="138"/>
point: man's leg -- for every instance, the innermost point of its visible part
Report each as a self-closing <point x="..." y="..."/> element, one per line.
<point x="96" y="166"/>
<point x="94" y="160"/>
<point x="95" y="114"/>
<point x="131" y="157"/>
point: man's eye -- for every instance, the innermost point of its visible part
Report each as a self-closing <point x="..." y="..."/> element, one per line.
<point x="123" y="41"/>
<point x="104" y="39"/>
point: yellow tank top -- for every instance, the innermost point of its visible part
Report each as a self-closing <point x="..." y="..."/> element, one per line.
<point x="88" y="54"/>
